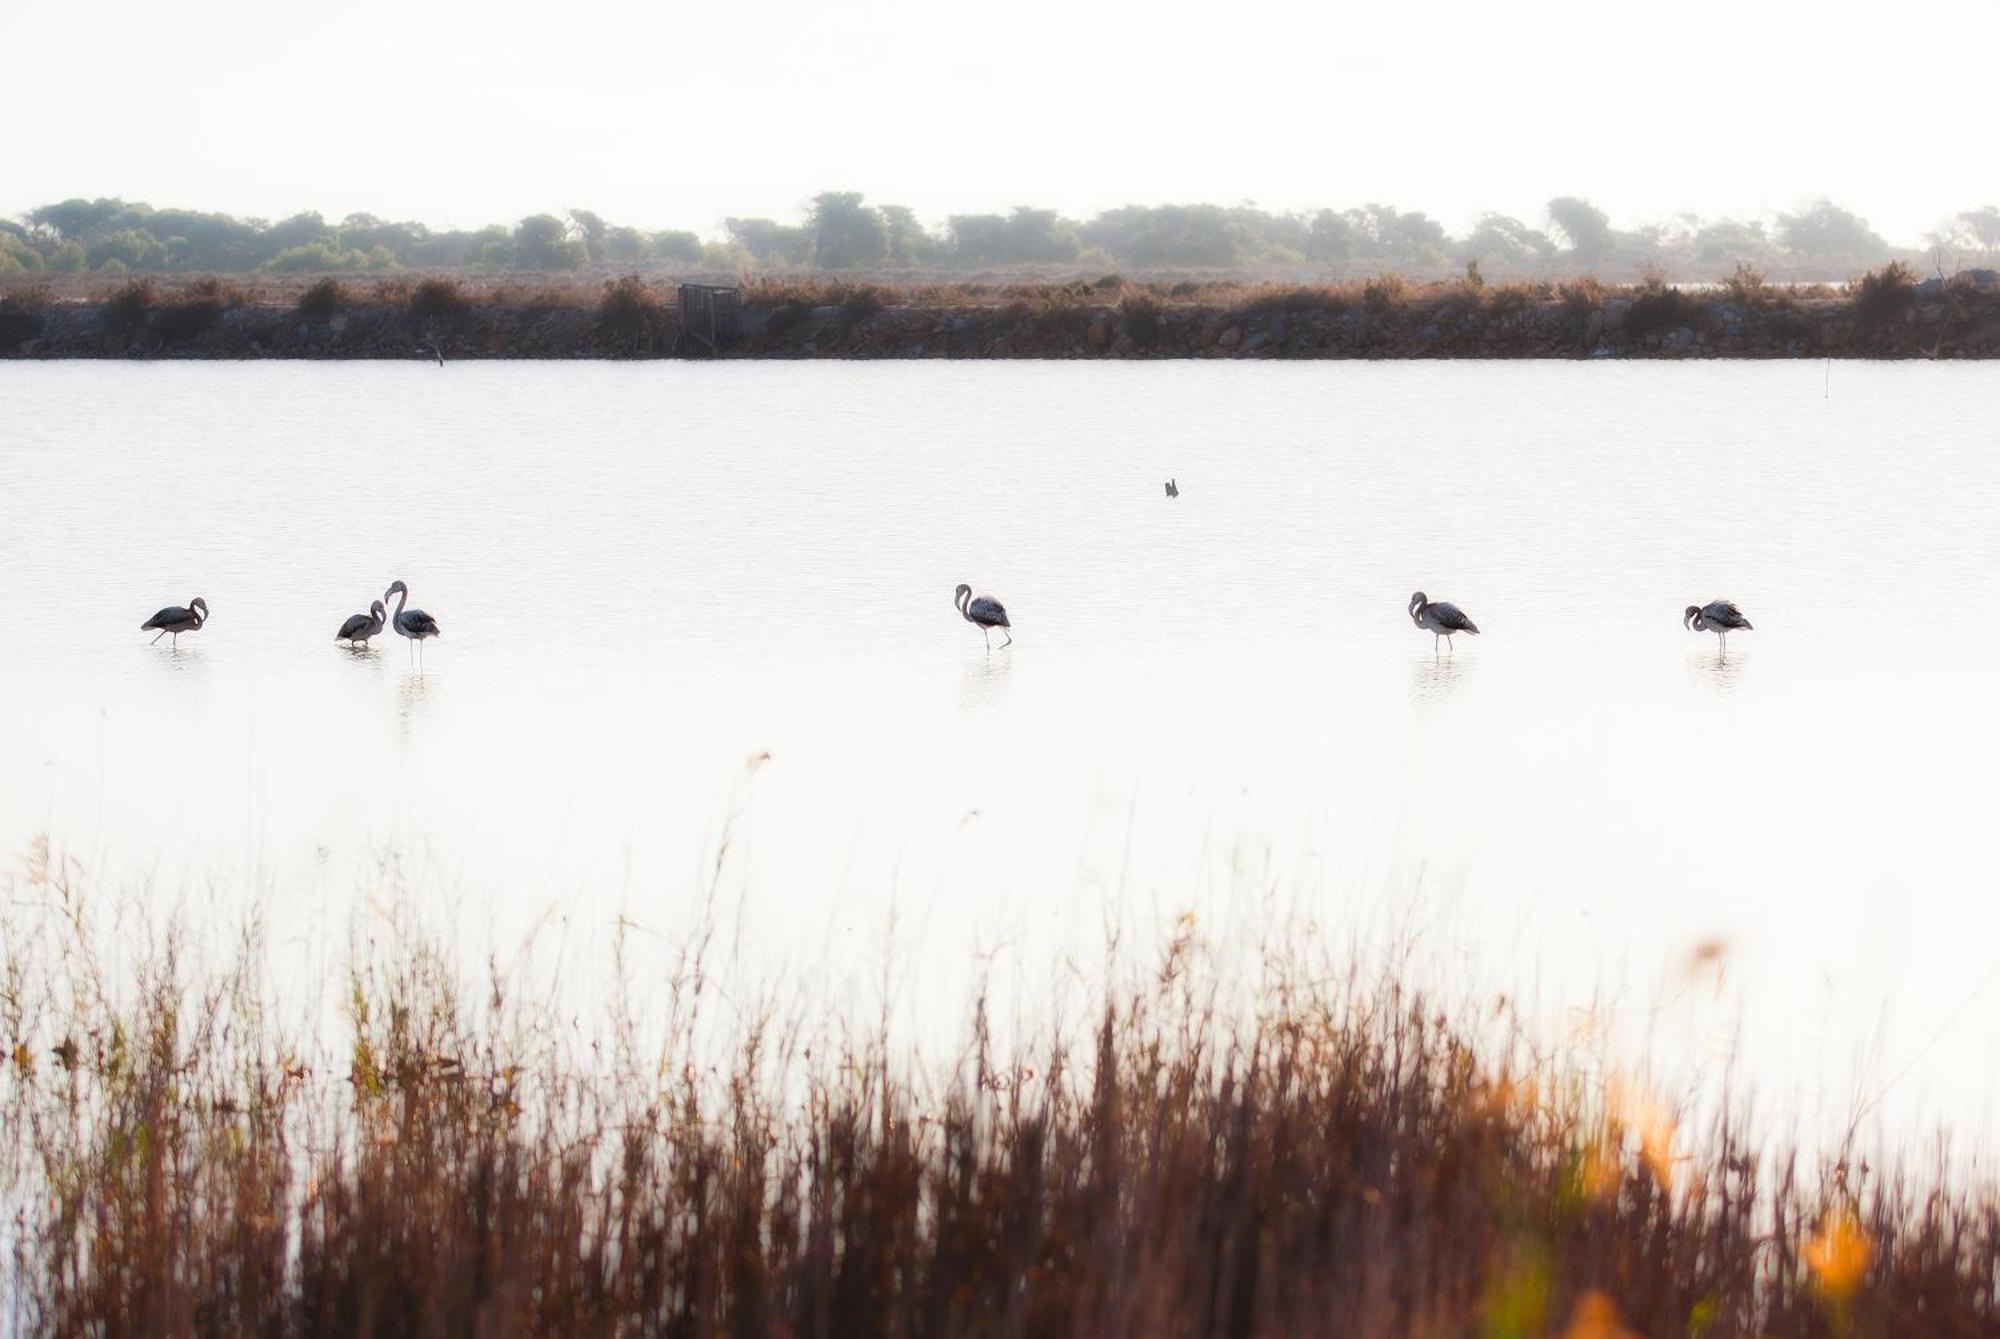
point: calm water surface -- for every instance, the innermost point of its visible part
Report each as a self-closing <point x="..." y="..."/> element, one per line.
<point x="651" y="575"/>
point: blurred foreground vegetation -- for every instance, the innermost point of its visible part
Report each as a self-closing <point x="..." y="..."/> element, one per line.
<point x="1281" y="1147"/>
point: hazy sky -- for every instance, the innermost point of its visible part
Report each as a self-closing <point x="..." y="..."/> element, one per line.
<point x="464" y="112"/>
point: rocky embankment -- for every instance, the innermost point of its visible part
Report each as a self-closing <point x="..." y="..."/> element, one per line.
<point x="1897" y="318"/>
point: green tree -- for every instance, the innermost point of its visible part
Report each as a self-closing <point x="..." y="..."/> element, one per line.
<point x="1025" y="237"/>
<point x="1730" y="239"/>
<point x="541" y="242"/>
<point x="675" y="248"/>
<point x="365" y="232"/>
<point x="1330" y="238"/>
<point x="76" y="219"/>
<point x="1385" y="233"/>
<point x="1826" y="231"/>
<point x="624" y="245"/>
<point x="767" y="241"/>
<point x="845" y="232"/>
<point x="1974" y="229"/>
<point x="1498" y="238"/>
<point x="590" y="228"/>
<point x="908" y="241"/>
<point x="17" y="256"/>
<point x="322" y="255"/>
<point x="1168" y="235"/>
<point x="128" y="250"/>
<point x="1585" y="227"/>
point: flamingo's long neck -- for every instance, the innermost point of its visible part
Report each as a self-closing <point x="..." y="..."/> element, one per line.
<point x="965" y="605"/>
<point x="402" y="598"/>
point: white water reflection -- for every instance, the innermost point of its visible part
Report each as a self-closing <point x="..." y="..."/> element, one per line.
<point x="651" y="575"/>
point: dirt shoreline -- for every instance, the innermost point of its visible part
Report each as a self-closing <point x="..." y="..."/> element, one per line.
<point x="1918" y="320"/>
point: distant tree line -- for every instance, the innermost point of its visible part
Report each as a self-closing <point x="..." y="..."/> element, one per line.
<point x="842" y="231"/>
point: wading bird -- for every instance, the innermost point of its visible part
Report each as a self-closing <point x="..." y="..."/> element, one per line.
<point x="984" y="613"/>
<point x="174" y="620"/>
<point x="360" y="627"/>
<point x="1441" y="619"/>
<point x="412" y="623"/>
<point x="1173" y="489"/>
<point x="1720" y="617"/>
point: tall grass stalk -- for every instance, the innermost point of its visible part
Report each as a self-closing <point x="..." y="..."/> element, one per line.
<point x="451" y="1156"/>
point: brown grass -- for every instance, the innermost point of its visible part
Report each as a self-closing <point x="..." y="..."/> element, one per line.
<point x="125" y="311"/>
<point x="1746" y="284"/>
<point x="439" y="300"/>
<point x="1884" y="294"/>
<point x="325" y="299"/>
<point x="22" y="314"/>
<point x="1385" y="292"/>
<point x="186" y="314"/>
<point x="1344" y="1160"/>
<point x="501" y="316"/>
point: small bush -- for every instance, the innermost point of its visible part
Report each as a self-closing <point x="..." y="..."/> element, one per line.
<point x="322" y="255"/>
<point x="539" y="300"/>
<point x="1746" y="285"/>
<point x="628" y="307"/>
<point x="323" y="301"/>
<point x="193" y="310"/>
<point x="1510" y="298"/>
<point x="1583" y="295"/>
<point x="21" y="317"/>
<point x="860" y="304"/>
<point x="127" y="308"/>
<point x="439" y="300"/>
<point x="1139" y="317"/>
<point x="1884" y="294"/>
<point x="1385" y="292"/>
<point x="787" y="316"/>
<point x="1328" y="299"/>
<point x="1658" y="310"/>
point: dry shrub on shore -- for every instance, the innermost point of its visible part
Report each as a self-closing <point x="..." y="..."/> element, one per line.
<point x="1385" y="292"/>
<point x="859" y="303"/>
<point x="1659" y="307"/>
<point x="186" y="314"/>
<point x="1885" y="294"/>
<point x="1582" y="296"/>
<point x="1302" y="299"/>
<point x="1746" y="285"/>
<point x="439" y="300"/>
<point x="628" y="308"/>
<point x="1139" y="317"/>
<point x="392" y="292"/>
<point x="126" y="310"/>
<point x="1343" y="1161"/>
<point x="22" y="313"/>
<point x="1519" y="296"/>
<point x="324" y="300"/>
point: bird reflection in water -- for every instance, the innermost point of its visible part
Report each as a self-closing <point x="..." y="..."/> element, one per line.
<point x="189" y="660"/>
<point x="1437" y="680"/>
<point x="1722" y="672"/>
<point x="984" y="683"/>
<point x="412" y="696"/>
